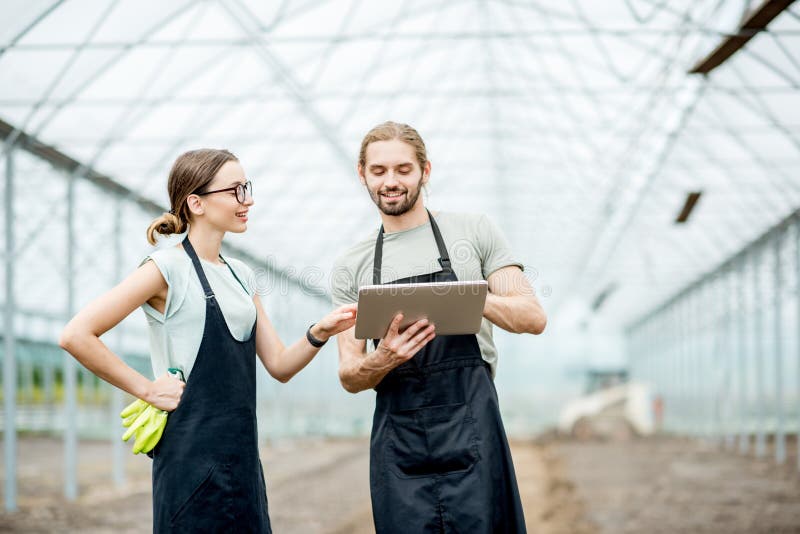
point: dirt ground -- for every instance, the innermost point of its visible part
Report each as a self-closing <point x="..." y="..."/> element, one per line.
<point x="677" y="485"/>
<point x="321" y="486"/>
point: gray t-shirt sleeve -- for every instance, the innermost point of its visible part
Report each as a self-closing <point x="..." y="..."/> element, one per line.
<point x="493" y="248"/>
<point x="344" y="288"/>
<point x="165" y="262"/>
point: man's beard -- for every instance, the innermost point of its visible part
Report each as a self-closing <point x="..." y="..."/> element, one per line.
<point x="398" y="208"/>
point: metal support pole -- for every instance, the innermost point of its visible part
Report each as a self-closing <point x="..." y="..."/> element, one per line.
<point x="690" y="410"/>
<point x="690" y="371"/>
<point x="702" y="376"/>
<point x="9" y="345"/>
<point x="681" y="330"/>
<point x="70" y="369"/>
<point x="703" y="382"/>
<point x="678" y="365"/>
<point x="780" y="437"/>
<point x="758" y="344"/>
<point x="731" y="351"/>
<point x="741" y="308"/>
<point x="701" y="351"/>
<point x="694" y="415"/>
<point x="797" y="301"/>
<point x="668" y="365"/>
<point x="721" y="360"/>
<point x="117" y="451"/>
<point x="686" y="358"/>
<point x="26" y="369"/>
<point x="48" y="380"/>
<point x="704" y="379"/>
<point x="657" y="375"/>
<point x="84" y="384"/>
<point x="675" y="367"/>
<point x="660" y="373"/>
<point x="715" y="362"/>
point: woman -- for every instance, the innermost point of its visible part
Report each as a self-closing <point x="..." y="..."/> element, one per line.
<point x="204" y="320"/>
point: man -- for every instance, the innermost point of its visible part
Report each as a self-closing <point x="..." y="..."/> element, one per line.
<point x="439" y="458"/>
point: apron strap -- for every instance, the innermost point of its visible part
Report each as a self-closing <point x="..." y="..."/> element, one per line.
<point x="187" y="246"/>
<point x="444" y="257"/>
<point x="234" y="274"/>
<point x="378" y="258"/>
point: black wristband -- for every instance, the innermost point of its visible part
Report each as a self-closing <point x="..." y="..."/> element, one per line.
<point x="311" y="339"/>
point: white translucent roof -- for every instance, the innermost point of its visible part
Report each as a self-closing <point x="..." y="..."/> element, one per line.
<point x="574" y="125"/>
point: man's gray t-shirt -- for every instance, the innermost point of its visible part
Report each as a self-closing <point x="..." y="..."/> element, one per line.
<point x="476" y="247"/>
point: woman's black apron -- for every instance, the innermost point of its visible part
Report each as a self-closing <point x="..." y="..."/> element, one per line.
<point x="439" y="457"/>
<point x="207" y="474"/>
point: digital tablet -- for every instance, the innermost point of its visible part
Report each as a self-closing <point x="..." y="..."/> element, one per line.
<point x="453" y="307"/>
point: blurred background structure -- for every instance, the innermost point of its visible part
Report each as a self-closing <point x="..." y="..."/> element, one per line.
<point x="642" y="157"/>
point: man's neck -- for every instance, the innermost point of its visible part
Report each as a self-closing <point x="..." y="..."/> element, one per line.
<point x="416" y="216"/>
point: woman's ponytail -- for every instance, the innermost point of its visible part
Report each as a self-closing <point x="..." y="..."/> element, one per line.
<point x="166" y="224"/>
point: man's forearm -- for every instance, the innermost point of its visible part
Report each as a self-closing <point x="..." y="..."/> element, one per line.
<point x="365" y="372"/>
<point x="518" y="314"/>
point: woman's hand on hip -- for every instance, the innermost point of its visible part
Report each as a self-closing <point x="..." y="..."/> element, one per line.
<point x="338" y="320"/>
<point x="165" y="392"/>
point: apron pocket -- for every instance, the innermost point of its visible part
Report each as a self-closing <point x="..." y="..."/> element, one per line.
<point x="433" y="440"/>
<point x="209" y="501"/>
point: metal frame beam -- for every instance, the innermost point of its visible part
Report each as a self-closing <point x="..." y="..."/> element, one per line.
<point x="367" y="36"/>
<point x="754" y="23"/>
<point x="32" y="24"/>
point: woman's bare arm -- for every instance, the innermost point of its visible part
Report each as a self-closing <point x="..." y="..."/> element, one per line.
<point x="282" y="362"/>
<point x="81" y="337"/>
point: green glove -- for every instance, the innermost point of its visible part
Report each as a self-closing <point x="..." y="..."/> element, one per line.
<point x="146" y="422"/>
<point x="132" y="411"/>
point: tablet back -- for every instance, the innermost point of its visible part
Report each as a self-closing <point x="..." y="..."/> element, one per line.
<point x="454" y="307"/>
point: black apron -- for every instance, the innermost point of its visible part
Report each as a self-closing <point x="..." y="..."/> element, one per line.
<point x="207" y="474"/>
<point x="439" y="457"/>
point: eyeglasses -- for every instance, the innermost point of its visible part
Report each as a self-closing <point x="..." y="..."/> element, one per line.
<point x="243" y="191"/>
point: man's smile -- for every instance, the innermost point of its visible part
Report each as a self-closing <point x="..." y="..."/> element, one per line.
<point x="393" y="194"/>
